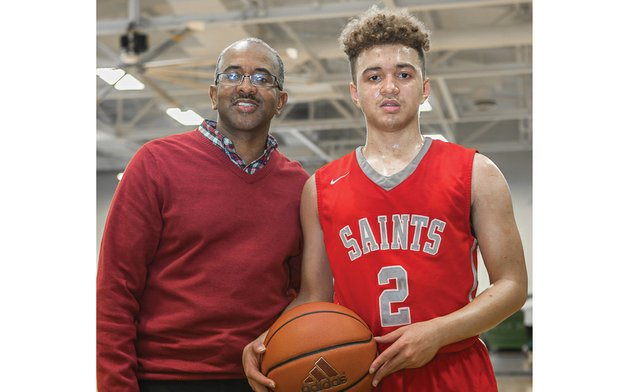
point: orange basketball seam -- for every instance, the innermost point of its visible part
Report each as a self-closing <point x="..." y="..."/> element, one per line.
<point x="316" y="352"/>
<point x="308" y="313"/>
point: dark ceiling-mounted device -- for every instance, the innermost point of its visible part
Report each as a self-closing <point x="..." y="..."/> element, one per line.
<point x="134" y="42"/>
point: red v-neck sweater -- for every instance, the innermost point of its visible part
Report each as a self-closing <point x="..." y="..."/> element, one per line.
<point x="197" y="259"/>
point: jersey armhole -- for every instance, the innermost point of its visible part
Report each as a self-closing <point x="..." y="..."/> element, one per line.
<point x="469" y="174"/>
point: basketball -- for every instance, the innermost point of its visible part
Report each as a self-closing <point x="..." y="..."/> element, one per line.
<point x="319" y="346"/>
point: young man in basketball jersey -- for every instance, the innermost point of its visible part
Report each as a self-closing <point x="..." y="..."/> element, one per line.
<point x="392" y="229"/>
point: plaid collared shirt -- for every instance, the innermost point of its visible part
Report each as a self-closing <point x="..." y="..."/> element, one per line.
<point x="209" y="129"/>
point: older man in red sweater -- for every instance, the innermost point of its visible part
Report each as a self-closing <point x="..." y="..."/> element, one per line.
<point x="201" y="248"/>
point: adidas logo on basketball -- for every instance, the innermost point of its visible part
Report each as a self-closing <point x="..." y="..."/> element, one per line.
<point x="322" y="376"/>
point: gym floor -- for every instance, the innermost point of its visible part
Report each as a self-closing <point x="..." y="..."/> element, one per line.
<point x="513" y="370"/>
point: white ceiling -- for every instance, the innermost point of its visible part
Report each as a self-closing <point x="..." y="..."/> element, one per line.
<point x="480" y="66"/>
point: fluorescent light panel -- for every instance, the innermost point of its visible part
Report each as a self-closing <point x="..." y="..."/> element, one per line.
<point x="128" y="82"/>
<point x="437" y="136"/>
<point x="293" y="53"/>
<point x="426" y="106"/>
<point x="119" y="79"/>
<point x="110" y="75"/>
<point x="187" y="117"/>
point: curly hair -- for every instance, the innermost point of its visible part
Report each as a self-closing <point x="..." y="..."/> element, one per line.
<point x="384" y="26"/>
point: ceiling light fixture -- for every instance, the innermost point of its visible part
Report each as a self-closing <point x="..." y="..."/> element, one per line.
<point x="292" y="53"/>
<point x="187" y="117"/>
<point x="110" y="75"/>
<point x="119" y="79"/>
<point x="436" y="136"/>
<point x="485" y="104"/>
<point x="128" y="82"/>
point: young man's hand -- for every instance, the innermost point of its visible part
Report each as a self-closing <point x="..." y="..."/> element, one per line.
<point x="412" y="346"/>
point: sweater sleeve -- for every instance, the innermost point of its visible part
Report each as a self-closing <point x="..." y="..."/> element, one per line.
<point x="129" y="243"/>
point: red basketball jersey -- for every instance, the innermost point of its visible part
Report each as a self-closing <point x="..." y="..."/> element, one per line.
<point x="401" y="247"/>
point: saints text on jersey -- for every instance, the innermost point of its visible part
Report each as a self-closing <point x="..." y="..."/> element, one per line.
<point x="403" y="232"/>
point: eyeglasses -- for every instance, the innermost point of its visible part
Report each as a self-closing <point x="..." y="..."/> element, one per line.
<point x="259" y="79"/>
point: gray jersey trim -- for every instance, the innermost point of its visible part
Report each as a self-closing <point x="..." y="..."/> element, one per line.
<point x="390" y="182"/>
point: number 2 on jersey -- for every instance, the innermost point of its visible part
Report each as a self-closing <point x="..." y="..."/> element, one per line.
<point x="403" y="315"/>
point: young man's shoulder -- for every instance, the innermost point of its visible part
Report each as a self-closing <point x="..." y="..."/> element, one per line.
<point x="451" y="147"/>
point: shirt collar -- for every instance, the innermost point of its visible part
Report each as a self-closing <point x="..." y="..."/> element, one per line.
<point x="209" y="129"/>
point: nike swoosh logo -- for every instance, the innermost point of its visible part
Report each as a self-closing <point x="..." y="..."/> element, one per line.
<point x="332" y="182"/>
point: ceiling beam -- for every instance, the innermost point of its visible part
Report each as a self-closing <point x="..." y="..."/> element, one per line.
<point x="484" y="37"/>
<point x="310" y="11"/>
<point x="445" y="124"/>
<point x="479" y="132"/>
<point x="311" y="145"/>
<point x="133" y="11"/>
<point x="300" y="44"/>
<point x="304" y="125"/>
<point x="493" y="116"/>
<point x="447" y="98"/>
<point x="113" y="56"/>
<point x="140" y="115"/>
<point x="340" y="108"/>
<point x="482" y="71"/>
<point x="503" y="146"/>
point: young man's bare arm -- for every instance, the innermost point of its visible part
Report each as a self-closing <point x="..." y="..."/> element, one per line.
<point x="498" y="238"/>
